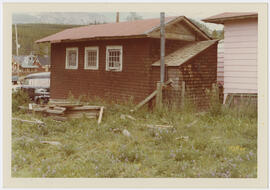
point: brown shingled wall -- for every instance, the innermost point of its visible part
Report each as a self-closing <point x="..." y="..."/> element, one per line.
<point x="134" y="80"/>
<point x="199" y="74"/>
<point x="137" y="79"/>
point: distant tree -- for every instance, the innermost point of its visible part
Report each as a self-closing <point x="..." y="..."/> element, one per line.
<point x="29" y="33"/>
<point x="133" y="16"/>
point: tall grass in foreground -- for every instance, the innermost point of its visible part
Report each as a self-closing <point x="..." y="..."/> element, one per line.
<point x="200" y="144"/>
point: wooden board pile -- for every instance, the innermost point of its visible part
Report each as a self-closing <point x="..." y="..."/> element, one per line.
<point x="64" y="110"/>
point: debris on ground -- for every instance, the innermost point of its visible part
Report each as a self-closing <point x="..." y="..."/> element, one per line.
<point x="28" y="121"/>
<point x="62" y="111"/>
<point x="192" y="123"/>
<point x="126" y="133"/>
<point x="56" y="143"/>
<point x="159" y="126"/>
<point x="123" y="116"/>
<point x="117" y="130"/>
<point x="151" y="96"/>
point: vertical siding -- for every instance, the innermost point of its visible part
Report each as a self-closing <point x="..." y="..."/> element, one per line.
<point x="240" y="56"/>
<point x="220" y="66"/>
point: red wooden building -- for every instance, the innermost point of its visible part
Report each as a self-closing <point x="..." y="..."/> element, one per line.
<point x="121" y="60"/>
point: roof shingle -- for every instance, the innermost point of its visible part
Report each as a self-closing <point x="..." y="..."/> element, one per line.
<point x="185" y="53"/>
<point x="129" y="28"/>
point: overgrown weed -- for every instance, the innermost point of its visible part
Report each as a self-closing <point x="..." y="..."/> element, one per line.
<point x="216" y="145"/>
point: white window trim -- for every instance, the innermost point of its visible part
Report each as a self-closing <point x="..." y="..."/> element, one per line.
<point x="72" y="67"/>
<point x="86" y="57"/>
<point x="107" y="58"/>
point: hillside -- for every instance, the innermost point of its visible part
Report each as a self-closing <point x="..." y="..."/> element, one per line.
<point x="29" y="33"/>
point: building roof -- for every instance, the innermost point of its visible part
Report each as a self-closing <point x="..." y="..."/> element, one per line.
<point x="18" y="59"/>
<point x="25" y="61"/>
<point x="137" y="28"/>
<point x="221" y="18"/>
<point x="186" y="53"/>
<point x="44" y="60"/>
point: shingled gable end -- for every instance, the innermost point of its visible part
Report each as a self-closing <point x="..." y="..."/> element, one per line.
<point x="118" y="61"/>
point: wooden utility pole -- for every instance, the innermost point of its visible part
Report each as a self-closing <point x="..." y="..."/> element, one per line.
<point x="117" y="16"/>
<point x="17" y="45"/>
<point x="162" y="46"/>
<point x="162" y="64"/>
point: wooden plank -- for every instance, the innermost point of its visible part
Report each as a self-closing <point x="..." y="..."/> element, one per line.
<point x="28" y="121"/>
<point x="55" y="111"/>
<point x="158" y="126"/>
<point x="151" y="96"/>
<point x="83" y="108"/>
<point x="67" y="104"/>
<point x="79" y="115"/>
<point x="59" y="118"/>
<point x="100" y="115"/>
<point x="174" y="36"/>
<point x="147" y="99"/>
<point x="89" y="112"/>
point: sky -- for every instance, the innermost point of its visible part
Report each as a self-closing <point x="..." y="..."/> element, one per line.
<point x="111" y="16"/>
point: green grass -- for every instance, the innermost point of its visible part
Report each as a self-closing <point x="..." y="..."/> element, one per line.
<point x="217" y="145"/>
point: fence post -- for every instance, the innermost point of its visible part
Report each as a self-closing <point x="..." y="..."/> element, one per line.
<point x="183" y="87"/>
<point x="159" y="95"/>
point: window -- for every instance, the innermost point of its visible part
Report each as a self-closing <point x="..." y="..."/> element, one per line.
<point x="114" y="58"/>
<point x="72" y="58"/>
<point x="91" y="58"/>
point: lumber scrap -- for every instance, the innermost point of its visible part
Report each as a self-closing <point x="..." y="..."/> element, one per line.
<point x="159" y="126"/>
<point x="56" y="111"/>
<point x="28" y="121"/>
<point x="191" y="124"/>
<point x="51" y="142"/>
<point x="84" y="108"/>
<point x="151" y="96"/>
<point x="147" y="99"/>
<point x="123" y="116"/>
<point x="58" y="118"/>
<point x="100" y="115"/>
<point x="68" y="105"/>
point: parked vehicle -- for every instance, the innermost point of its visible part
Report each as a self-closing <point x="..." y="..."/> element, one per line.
<point x="37" y="86"/>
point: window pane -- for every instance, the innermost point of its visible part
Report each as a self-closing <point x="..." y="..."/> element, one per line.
<point x="72" y="54"/>
<point x="92" y="58"/>
<point x="114" y="58"/>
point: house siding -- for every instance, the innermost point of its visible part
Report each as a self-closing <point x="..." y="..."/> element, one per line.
<point x="240" y="56"/>
<point x="220" y="67"/>
<point x="133" y="81"/>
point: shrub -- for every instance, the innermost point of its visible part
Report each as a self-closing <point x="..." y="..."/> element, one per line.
<point x="19" y="98"/>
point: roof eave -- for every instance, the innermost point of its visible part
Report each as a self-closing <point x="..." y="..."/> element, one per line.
<point x="225" y="19"/>
<point x="94" y="38"/>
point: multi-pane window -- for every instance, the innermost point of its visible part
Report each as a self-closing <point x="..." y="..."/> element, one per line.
<point x="71" y="58"/>
<point x="91" y="58"/>
<point x="114" y="58"/>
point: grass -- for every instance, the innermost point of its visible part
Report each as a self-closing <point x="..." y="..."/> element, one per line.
<point x="216" y="146"/>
